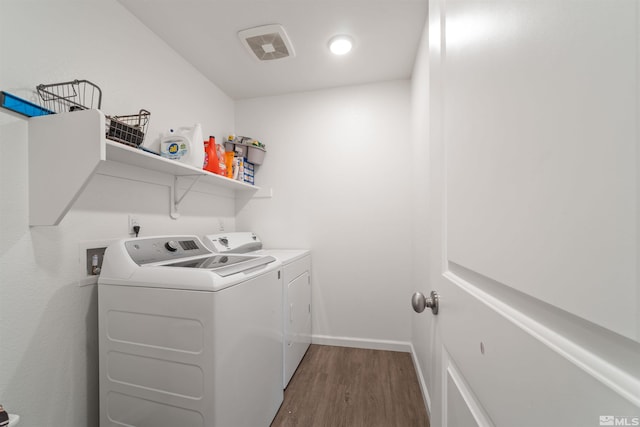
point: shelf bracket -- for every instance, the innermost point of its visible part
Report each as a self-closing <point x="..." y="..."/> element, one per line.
<point x="175" y="199"/>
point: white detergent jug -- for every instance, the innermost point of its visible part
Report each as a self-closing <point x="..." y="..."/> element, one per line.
<point x="184" y="144"/>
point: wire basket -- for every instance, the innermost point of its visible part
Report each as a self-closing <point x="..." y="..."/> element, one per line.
<point x="129" y="130"/>
<point x="70" y="96"/>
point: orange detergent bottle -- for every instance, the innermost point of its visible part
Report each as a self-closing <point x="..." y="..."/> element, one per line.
<point x="211" y="162"/>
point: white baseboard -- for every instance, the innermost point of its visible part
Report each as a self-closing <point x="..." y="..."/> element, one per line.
<point x="423" y="384"/>
<point x="370" y="344"/>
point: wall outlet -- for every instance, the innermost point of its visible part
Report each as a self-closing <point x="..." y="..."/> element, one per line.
<point x="133" y="221"/>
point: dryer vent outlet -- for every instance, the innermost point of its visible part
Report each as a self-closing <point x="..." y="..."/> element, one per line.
<point x="267" y="42"/>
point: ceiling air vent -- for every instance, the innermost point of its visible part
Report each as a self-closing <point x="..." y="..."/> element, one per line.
<point x="267" y="42"/>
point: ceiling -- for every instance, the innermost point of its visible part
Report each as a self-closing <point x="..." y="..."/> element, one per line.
<point x="386" y="35"/>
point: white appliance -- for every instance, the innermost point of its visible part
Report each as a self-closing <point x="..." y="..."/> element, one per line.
<point x="13" y="420"/>
<point x="188" y="337"/>
<point x="296" y="285"/>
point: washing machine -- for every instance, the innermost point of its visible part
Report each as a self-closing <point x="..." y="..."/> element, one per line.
<point x="296" y="291"/>
<point x="188" y="337"/>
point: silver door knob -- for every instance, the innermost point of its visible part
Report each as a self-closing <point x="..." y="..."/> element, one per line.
<point x="419" y="302"/>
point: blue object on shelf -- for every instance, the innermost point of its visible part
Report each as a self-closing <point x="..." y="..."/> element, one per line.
<point x="147" y="150"/>
<point x="22" y="106"/>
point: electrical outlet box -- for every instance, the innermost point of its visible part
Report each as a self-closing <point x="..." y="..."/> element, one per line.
<point x="90" y="253"/>
<point x="133" y="221"/>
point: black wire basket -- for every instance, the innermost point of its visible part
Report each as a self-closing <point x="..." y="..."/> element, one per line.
<point x="77" y="95"/>
<point x="129" y="130"/>
<point x="70" y="96"/>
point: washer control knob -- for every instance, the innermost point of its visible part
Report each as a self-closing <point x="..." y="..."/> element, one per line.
<point x="224" y="241"/>
<point x="171" y="245"/>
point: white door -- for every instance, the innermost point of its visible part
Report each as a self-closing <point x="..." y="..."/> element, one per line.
<point x="533" y="196"/>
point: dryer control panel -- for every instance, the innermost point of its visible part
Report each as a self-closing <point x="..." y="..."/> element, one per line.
<point x="238" y="242"/>
<point x="159" y="249"/>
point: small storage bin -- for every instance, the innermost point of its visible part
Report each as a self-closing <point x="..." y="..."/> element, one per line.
<point x="256" y="154"/>
<point x="70" y="96"/>
<point x="129" y="130"/>
<point x="240" y="150"/>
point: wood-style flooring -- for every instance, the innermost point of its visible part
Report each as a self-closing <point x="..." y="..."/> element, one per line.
<point x="352" y="387"/>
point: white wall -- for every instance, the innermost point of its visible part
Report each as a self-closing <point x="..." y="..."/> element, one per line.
<point x="339" y="164"/>
<point x="48" y="322"/>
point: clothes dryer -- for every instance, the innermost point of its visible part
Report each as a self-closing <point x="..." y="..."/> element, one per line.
<point x="296" y="291"/>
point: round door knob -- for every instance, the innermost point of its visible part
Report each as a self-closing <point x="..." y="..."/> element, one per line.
<point x="420" y="302"/>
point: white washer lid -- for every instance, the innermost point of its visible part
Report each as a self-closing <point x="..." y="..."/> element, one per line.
<point x="13" y="420"/>
<point x="286" y="255"/>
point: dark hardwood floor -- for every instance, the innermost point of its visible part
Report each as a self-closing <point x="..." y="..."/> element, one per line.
<point x="351" y="387"/>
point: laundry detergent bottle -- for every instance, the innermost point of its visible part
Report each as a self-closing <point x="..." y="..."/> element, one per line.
<point x="185" y="145"/>
<point x="211" y="162"/>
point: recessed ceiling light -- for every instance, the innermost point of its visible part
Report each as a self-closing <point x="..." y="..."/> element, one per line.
<point x="339" y="45"/>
